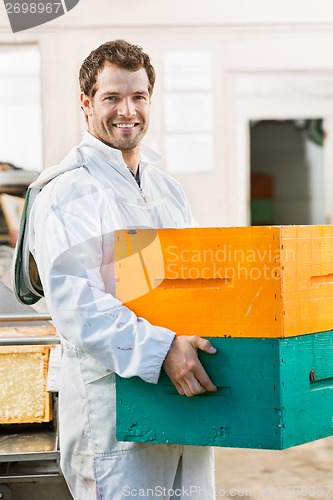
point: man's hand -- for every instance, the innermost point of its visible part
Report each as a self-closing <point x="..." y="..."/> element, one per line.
<point x="183" y="367"/>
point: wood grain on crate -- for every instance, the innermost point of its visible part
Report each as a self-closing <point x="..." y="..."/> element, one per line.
<point x="269" y="281"/>
<point x="273" y="393"/>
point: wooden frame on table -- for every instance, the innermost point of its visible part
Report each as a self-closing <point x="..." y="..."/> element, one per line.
<point x="12" y="208"/>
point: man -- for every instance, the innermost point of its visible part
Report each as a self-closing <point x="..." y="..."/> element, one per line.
<point x="107" y="183"/>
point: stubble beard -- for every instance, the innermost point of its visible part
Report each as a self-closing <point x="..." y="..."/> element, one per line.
<point x="125" y="143"/>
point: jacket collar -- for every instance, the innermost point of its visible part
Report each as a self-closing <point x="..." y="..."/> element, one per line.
<point x="111" y="155"/>
<point x="114" y="156"/>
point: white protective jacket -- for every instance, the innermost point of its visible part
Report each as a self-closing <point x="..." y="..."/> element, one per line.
<point x="71" y="238"/>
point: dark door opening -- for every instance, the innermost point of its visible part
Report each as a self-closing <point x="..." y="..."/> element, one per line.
<point x="287" y="172"/>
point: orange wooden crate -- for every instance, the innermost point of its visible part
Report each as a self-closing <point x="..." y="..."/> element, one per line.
<point x="270" y="281"/>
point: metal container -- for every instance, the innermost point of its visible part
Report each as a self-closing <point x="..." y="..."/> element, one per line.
<point x="29" y="453"/>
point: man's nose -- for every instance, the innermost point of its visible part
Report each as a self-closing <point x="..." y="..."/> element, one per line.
<point x="126" y="108"/>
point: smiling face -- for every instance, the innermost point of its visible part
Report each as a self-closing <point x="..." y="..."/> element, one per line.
<point x="118" y="113"/>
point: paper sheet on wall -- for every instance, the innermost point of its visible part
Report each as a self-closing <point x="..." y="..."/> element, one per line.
<point x="188" y="70"/>
<point x="189" y="153"/>
<point x="188" y="112"/>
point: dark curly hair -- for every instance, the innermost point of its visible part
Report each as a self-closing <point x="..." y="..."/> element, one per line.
<point x="119" y="52"/>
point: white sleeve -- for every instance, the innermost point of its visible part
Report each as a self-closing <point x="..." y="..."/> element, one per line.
<point x="68" y="248"/>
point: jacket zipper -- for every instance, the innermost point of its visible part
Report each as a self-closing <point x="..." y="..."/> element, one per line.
<point x="145" y="199"/>
<point x="143" y="194"/>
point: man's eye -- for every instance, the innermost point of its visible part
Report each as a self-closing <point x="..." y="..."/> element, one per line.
<point x="140" y="97"/>
<point x="111" y="98"/>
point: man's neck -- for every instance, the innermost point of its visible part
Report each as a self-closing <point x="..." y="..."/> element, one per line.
<point x="132" y="159"/>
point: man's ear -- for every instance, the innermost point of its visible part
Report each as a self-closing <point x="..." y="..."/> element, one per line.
<point x="86" y="104"/>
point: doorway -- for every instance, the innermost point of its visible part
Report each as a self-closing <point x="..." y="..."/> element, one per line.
<point x="287" y="172"/>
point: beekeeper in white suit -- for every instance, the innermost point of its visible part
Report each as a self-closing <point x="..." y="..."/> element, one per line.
<point x="109" y="182"/>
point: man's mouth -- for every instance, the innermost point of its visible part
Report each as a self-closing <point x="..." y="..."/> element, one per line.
<point x="125" y="125"/>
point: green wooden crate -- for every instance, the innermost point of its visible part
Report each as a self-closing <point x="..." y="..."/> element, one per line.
<point x="272" y="393"/>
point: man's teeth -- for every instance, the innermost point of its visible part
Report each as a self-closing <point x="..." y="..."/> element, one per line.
<point x="125" y="125"/>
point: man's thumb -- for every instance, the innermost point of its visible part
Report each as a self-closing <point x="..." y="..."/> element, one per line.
<point x="205" y="345"/>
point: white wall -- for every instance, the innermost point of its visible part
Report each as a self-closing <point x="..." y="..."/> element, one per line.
<point x="244" y="39"/>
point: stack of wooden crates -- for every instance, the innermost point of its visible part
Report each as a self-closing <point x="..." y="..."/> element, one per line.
<point x="264" y="298"/>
